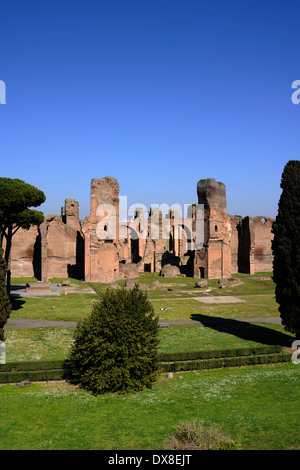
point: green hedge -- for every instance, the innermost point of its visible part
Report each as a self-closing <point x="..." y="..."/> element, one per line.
<point x="219" y="353"/>
<point x="34" y="371"/>
<point x="31" y="365"/>
<point x="216" y="363"/>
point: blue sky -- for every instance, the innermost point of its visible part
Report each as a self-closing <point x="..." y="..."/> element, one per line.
<point x="158" y="94"/>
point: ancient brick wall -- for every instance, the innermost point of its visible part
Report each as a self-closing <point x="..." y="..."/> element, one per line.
<point x="94" y="249"/>
<point x="25" y="253"/>
<point x="214" y="259"/>
<point x="101" y="232"/>
<point x="54" y="249"/>
<point x="63" y="249"/>
<point x="234" y="228"/>
<point x="261" y="230"/>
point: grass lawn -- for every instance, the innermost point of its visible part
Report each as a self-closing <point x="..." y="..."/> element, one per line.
<point x="37" y="344"/>
<point x="258" y="302"/>
<point x="72" y="307"/>
<point x="256" y="405"/>
<point x="34" y="344"/>
<point x="192" y="309"/>
<point x="54" y="343"/>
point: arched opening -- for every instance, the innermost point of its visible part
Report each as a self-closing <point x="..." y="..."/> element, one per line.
<point x="134" y="245"/>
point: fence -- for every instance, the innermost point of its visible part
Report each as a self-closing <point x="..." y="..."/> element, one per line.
<point x="34" y="371"/>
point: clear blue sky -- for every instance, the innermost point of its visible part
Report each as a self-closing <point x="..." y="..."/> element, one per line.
<point x="158" y="94"/>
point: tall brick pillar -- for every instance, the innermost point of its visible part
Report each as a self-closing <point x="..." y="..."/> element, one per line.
<point x="214" y="259"/>
<point x="101" y="231"/>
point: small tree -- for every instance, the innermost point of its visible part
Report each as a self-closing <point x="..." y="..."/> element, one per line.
<point x="5" y="306"/>
<point x="115" y="348"/>
<point x="286" y="248"/>
<point x="16" y="198"/>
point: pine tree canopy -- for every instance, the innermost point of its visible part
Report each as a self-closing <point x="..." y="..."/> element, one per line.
<point x="16" y="198"/>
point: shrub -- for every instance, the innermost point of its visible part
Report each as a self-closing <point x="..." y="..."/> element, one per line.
<point x="194" y="435"/>
<point x="116" y="348"/>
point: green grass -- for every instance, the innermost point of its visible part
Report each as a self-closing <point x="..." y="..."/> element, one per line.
<point x="37" y="344"/>
<point x="72" y="307"/>
<point x="251" y="287"/>
<point x="189" y="309"/>
<point x="22" y="280"/>
<point x="54" y="343"/>
<point x="221" y="336"/>
<point x="258" y="274"/>
<point x="256" y="405"/>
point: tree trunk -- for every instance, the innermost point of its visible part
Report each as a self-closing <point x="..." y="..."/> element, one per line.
<point x="8" y="259"/>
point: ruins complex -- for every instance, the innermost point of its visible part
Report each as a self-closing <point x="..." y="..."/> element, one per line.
<point x="100" y="248"/>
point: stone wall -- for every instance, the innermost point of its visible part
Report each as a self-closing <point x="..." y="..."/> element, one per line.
<point x="261" y="244"/>
<point x="101" y="232"/>
<point x="214" y="259"/>
<point x="54" y="249"/>
<point x="63" y="245"/>
<point x="234" y="228"/>
<point x="98" y="250"/>
<point x="25" y="253"/>
<point x="251" y="244"/>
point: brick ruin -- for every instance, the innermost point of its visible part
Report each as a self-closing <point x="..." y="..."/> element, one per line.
<point x="65" y="246"/>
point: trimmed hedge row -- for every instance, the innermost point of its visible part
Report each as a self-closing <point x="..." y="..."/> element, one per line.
<point x="219" y="353"/>
<point x="35" y="371"/>
<point x="31" y="366"/>
<point x="216" y="363"/>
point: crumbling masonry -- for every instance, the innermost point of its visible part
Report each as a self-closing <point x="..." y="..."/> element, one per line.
<point x="65" y="246"/>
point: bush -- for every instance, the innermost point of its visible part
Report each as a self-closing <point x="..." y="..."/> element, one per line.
<point x="116" y="348"/>
<point x="193" y="435"/>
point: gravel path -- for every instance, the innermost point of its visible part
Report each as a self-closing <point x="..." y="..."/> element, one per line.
<point x="19" y="323"/>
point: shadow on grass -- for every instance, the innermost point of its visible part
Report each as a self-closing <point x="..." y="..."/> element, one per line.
<point x="16" y="302"/>
<point x="245" y="330"/>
